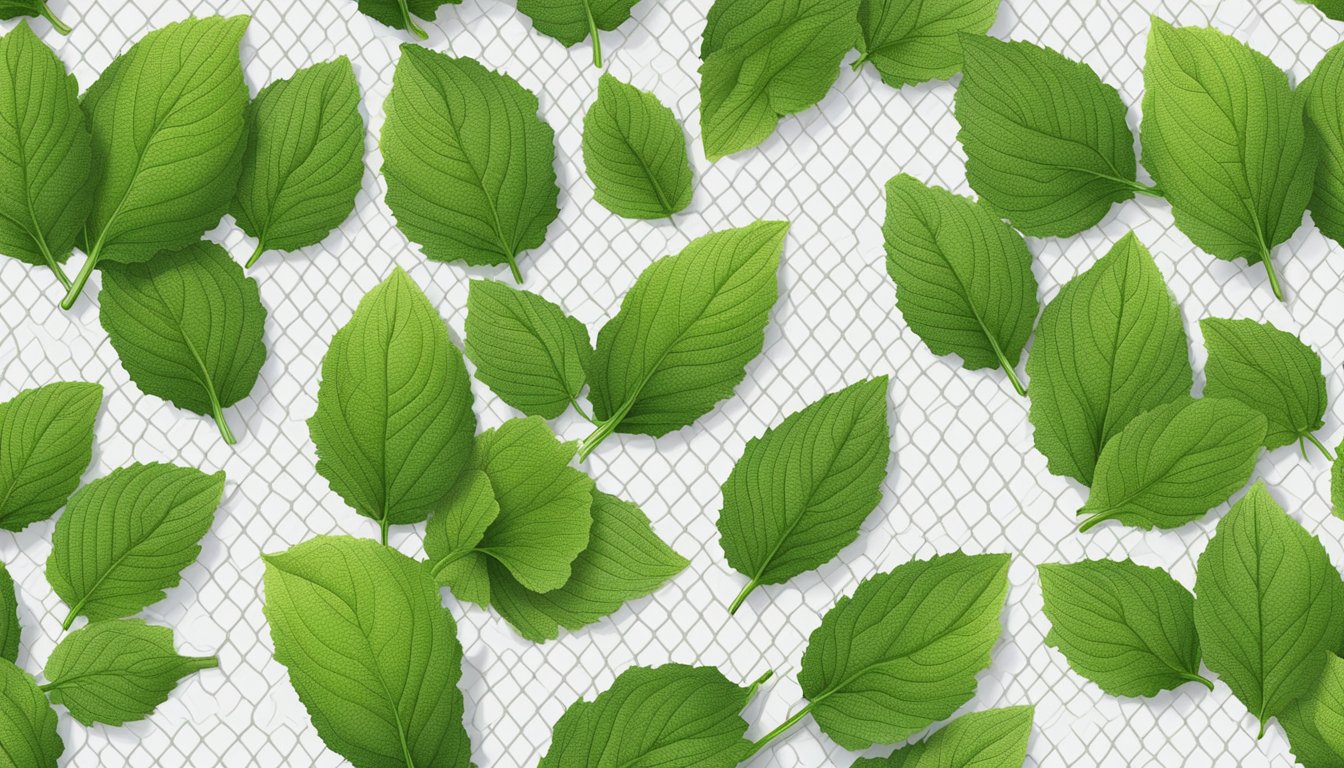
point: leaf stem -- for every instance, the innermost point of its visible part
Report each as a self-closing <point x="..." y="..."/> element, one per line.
<point x="261" y="248"/>
<point x="56" y="24"/>
<point x="1324" y="451"/>
<point x="76" y="288"/>
<point x="1092" y="521"/>
<point x="742" y="596"/>
<point x="71" y="616"/>
<point x="438" y="567"/>
<point x="859" y="62"/>
<point x="513" y="269"/>
<point x="218" y="413"/>
<point x="604" y="430"/>
<point x="1198" y="678"/>
<point x="382" y="529"/>
<point x="592" y="32"/>
<point x="1144" y="189"/>
<point x="1273" y="278"/>
<point x="760" y="743"/>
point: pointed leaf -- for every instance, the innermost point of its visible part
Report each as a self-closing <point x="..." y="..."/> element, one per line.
<point x="634" y="150"/>
<point x="403" y="14"/>
<point x="27" y="722"/>
<point x="1324" y="102"/>
<point x="46" y="443"/>
<point x="994" y="738"/>
<point x="914" y="42"/>
<point x="9" y="617"/>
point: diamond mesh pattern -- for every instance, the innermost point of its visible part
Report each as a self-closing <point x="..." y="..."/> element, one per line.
<point x="964" y="472"/>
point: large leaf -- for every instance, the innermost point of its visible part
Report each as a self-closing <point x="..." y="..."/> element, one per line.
<point x="762" y="60"/>
<point x="126" y="537"/>
<point x="403" y="14"/>
<point x="304" y="160"/>
<point x="370" y="650"/>
<point x="903" y="652"/>
<point x="1268" y="605"/>
<point x="469" y="164"/>
<point x="573" y="21"/>
<point x="1110" y="346"/>
<point x="994" y="738"/>
<point x="393" y="426"/>
<point x="800" y="491"/>
<point x="635" y="152"/>
<point x="1324" y="98"/>
<point x="188" y="328"/>
<point x="46" y="443"/>
<point x="28" y="737"/>
<point x="913" y="42"/>
<point x="117" y="671"/>
<point x="10" y="630"/>
<point x="1046" y="141"/>
<point x="963" y="277"/>
<point x="1224" y="138"/>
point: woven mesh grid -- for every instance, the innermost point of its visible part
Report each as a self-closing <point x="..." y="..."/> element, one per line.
<point x="964" y="473"/>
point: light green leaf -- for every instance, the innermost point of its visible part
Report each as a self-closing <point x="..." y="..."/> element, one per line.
<point x="1324" y="105"/>
<point x="393" y="426"/>
<point x="800" y="491"/>
<point x="963" y="277"/>
<point x="573" y="21"/>
<point x="371" y="651"/>
<point x="46" y="443"/>
<point x="470" y="166"/>
<point x="188" y="328"/>
<point x="27" y="722"/>
<point x="168" y="141"/>
<point x="673" y="715"/>
<point x="1173" y="464"/>
<point x="994" y="738"/>
<point x="117" y="671"/>
<point x="45" y="151"/>
<point x="304" y="160"/>
<point x="1127" y="628"/>
<point x="453" y="533"/>
<point x="526" y="349"/>
<point x="635" y="153"/>
<point x="1047" y="145"/>
<point x="1305" y="741"/>
<point x="1224" y="138"/>
<point x="685" y="333"/>
<point x="1268" y="605"/>
<point x="903" y="652"/>
<point x="126" y="537"/>
<point x="1110" y="346"/>
<point x="13" y="9"/>
<point x="625" y="560"/>
<point x="10" y="628"/>
<point x="402" y="14"/>
<point x="914" y="42"/>
<point x="762" y="60"/>
<point x="1326" y="704"/>
<point x="1270" y="371"/>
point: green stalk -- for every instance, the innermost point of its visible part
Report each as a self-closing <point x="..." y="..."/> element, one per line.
<point x="56" y="24"/>
<point x="1273" y="278"/>
<point x="793" y="720"/>
<point x="597" y="40"/>
<point x="72" y="293"/>
<point x="1324" y="451"/>
<point x="742" y="596"/>
<point x="261" y="248"/>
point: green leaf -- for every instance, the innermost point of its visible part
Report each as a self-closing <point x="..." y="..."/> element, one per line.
<point x="673" y="715"/>
<point x="1171" y="465"/>
<point x="1270" y="371"/>
<point x="762" y="60"/>
<point x="963" y="277"/>
<point x="1332" y="9"/>
<point x="914" y="42"/>
<point x="800" y="491"/>
<point x="117" y="671"/>
<point x="168" y="140"/>
<point x="526" y="349"/>
<point x="994" y="738"/>
<point x="625" y="560"/>
<point x="45" y="153"/>
<point x="1268" y="605"/>
<point x="10" y="629"/>
<point x="635" y="153"/>
<point x="1337" y="482"/>
<point x="1303" y="738"/>
<point x="904" y="651"/>
<point x="1223" y="137"/>
<point x="1127" y="628"/>
<point x="393" y="426"/>
<point x="27" y="722"/>
<point x="1110" y="346"/>
<point x="573" y="21"/>
<point x="1325" y="117"/>
<point x="1047" y="145"/>
<point x="1326" y="704"/>
<point x="304" y="160"/>
<point x="685" y="333"/>
<point x="46" y="443"/>
<point x="13" y="9"/>
<point x="370" y="650"/>
<point x="188" y="328"/>
<point x="402" y="14"/>
<point x="453" y="533"/>
<point x="126" y="537"/>
<point x="543" y="519"/>
<point x="470" y="166"/>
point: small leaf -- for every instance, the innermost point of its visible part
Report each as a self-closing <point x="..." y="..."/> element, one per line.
<point x="963" y="277"/>
<point x="393" y="426"/>
<point x="13" y="9"/>
<point x="1127" y="628"/>
<point x="914" y="42"/>
<point x="117" y="671"/>
<point x="403" y="14"/>
<point x="634" y="151"/>
<point x="1270" y="371"/>
<point x="188" y="328"/>
<point x="903" y="652"/>
<point x="1332" y="9"/>
<point x="27" y="722"/>
<point x="526" y="349"/>
<point x="800" y="491"/>
<point x="1325" y="118"/>
<point x="1268" y="605"/>
<point x="1337" y="482"/>
<point x="370" y="650"/>
<point x="994" y="738"/>
<point x="761" y="61"/>
<point x="1171" y="465"/>
<point x="1326" y="704"/>
<point x="453" y="533"/>
<point x="573" y="21"/>
<point x="46" y="443"/>
<point x="673" y="715"/>
<point x="304" y="160"/>
<point x="1047" y="145"/>
<point x="126" y="537"/>
<point x="1110" y="346"/>
<point x="469" y="164"/>
<point x="9" y="617"/>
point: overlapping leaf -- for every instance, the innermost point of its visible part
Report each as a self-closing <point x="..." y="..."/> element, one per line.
<point x="1325" y="702"/>
<point x="46" y="442"/>
<point x="913" y="42"/>
<point x="634" y="150"/>
<point x="1324" y="104"/>
<point x="994" y="738"/>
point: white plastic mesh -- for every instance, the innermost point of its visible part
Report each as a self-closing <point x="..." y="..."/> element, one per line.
<point x="964" y="472"/>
